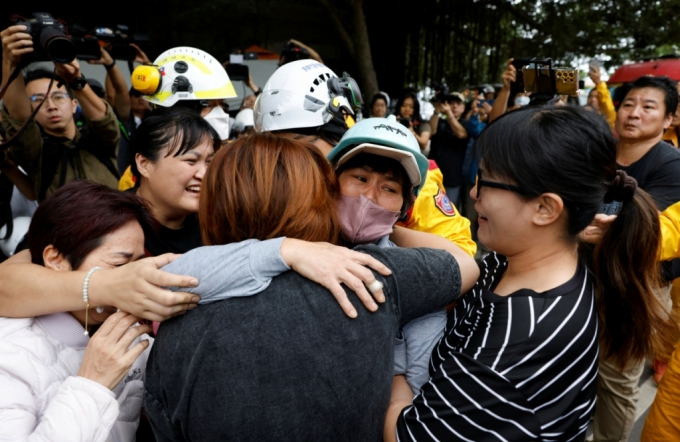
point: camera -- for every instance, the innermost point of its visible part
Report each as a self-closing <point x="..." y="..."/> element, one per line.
<point x="293" y="52"/>
<point x="236" y="70"/>
<point x="116" y="41"/>
<point x="537" y="75"/>
<point x="441" y="92"/>
<point x="404" y="121"/>
<point x="50" y="42"/>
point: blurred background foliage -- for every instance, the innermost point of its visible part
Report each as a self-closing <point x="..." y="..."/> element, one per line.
<point x="463" y="42"/>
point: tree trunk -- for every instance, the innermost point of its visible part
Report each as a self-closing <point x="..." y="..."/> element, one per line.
<point x="357" y="43"/>
<point x="364" y="60"/>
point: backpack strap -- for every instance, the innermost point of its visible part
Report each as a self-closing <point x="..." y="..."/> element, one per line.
<point x="54" y="151"/>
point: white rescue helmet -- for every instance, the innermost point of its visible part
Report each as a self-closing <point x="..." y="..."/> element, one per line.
<point x="307" y="94"/>
<point x="183" y="73"/>
<point x="244" y="119"/>
<point x="9" y="245"/>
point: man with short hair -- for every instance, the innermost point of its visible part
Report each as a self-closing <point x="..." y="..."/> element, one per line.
<point x="52" y="149"/>
<point x="646" y="111"/>
<point x="450" y="138"/>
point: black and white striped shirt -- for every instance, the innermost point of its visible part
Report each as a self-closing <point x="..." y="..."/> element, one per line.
<point x="511" y="368"/>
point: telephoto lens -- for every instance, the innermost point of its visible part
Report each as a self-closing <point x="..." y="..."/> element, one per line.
<point x="49" y="39"/>
<point x="57" y="46"/>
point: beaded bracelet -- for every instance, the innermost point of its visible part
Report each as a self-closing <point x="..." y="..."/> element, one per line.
<point x="86" y="299"/>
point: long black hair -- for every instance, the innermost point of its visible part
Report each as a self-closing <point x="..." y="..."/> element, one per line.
<point x="569" y="151"/>
<point x="416" y="107"/>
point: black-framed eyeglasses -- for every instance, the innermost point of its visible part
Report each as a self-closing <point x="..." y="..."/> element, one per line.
<point x="485" y="183"/>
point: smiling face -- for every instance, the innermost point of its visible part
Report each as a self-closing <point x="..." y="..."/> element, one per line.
<point x="56" y="115"/>
<point x="504" y="217"/>
<point x="642" y="115"/>
<point x="172" y="184"/>
<point x="406" y="109"/>
<point x="384" y="189"/>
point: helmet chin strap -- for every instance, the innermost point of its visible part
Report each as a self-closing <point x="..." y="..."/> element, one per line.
<point x="334" y="129"/>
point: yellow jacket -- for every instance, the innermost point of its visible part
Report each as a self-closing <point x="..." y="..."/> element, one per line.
<point x="670" y="232"/>
<point x="671" y="135"/>
<point x="127" y="180"/>
<point x="606" y="104"/>
<point x="432" y="212"/>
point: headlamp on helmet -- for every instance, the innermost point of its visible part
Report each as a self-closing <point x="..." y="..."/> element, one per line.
<point x="307" y="94"/>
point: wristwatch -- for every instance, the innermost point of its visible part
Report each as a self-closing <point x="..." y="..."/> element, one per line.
<point x="78" y="84"/>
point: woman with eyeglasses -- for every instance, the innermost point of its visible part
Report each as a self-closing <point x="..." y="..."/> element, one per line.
<point x="519" y="357"/>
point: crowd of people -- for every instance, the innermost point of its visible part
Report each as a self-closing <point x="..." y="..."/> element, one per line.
<point x="306" y="274"/>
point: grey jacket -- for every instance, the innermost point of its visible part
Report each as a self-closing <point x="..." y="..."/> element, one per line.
<point x="247" y="268"/>
<point x="288" y="364"/>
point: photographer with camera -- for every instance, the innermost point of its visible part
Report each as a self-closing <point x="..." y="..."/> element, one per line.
<point x="296" y="50"/>
<point x="407" y="111"/>
<point x="52" y="150"/>
<point x="450" y="138"/>
<point x="500" y="106"/>
<point x="128" y="104"/>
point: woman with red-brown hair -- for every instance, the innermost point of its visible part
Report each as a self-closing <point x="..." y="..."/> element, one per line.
<point x="286" y="364"/>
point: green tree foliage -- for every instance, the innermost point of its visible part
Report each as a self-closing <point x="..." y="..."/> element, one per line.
<point x="468" y="41"/>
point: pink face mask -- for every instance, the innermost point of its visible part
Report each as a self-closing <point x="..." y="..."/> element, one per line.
<point x="362" y="221"/>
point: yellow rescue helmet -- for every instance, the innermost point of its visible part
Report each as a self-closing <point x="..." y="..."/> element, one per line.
<point x="182" y="73"/>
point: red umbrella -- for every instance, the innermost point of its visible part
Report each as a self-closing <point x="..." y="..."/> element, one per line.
<point x="657" y="68"/>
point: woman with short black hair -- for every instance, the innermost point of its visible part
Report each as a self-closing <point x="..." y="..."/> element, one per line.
<point x="57" y="382"/>
<point x="172" y="147"/>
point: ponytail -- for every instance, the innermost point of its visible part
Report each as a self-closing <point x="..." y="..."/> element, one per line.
<point x="571" y="152"/>
<point x="635" y="324"/>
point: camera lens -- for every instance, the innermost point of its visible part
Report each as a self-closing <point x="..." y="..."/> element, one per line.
<point x="57" y="46"/>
